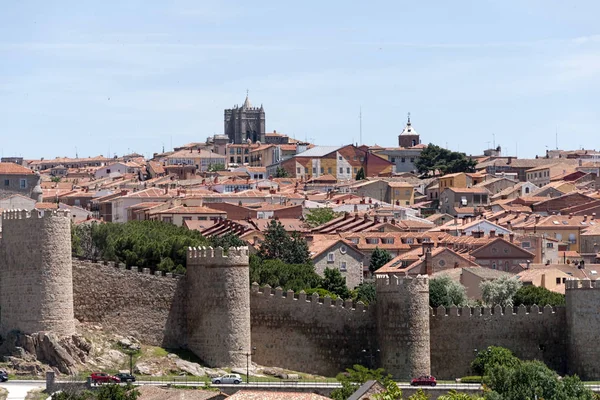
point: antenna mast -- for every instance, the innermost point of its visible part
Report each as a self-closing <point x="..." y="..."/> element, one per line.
<point x="360" y="125"/>
<point x="556" y="138"/>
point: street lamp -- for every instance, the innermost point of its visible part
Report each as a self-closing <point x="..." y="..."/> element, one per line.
<point x="248" y="354"/>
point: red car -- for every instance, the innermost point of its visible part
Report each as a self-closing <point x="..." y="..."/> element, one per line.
<point x="425" y="380"/>
<point x="101" y="377"/>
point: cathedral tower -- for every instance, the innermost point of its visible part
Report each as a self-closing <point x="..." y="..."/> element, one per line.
<point x="245" y="122"/>
<point x="409" y="137"/>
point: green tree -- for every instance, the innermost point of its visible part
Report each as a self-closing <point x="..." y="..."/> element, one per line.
<point x="226" y="241"/>
<point x="379" y="258"/>
<point x="454" y="395"/>
<point x="530" y="295"/>
<point x="392" y="391"/>
<point x="334" y="282"/>
<point x="443" y="291"/>
<point x="434" y="158"/>
<point x="353" y="378"/>
<point x="291" y="249"/>
<point x="491" y="357"/>
<point x="530" y="380"/>
<point x="419" y="395"/>
<point x="320" y="216"/>
<point x="216" y="167"/>
<point x="365" y="292"/>
<point x="104" y="392"/>
<point x="281" y="173"/>
<point x="276" y="273"/>
<point x="360" y="175"/>
<point x="500" y="291"/>
<point x="55" y="179"/>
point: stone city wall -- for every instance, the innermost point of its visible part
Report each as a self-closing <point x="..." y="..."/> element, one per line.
<point x="458" y="334"/>
<point x="311" y="334"/>
<point x="128" y="302"/>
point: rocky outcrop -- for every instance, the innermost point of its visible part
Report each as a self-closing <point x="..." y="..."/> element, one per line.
<point x="64" y="354"/>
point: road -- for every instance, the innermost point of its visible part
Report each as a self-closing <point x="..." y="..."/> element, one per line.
<point x="17" y="390"/>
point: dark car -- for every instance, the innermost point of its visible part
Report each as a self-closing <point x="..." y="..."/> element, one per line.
<point x="3" y="376"/>
<point x="425" y="380"/>
<point x="101" y="377"/>
<point x="125" y="377"/>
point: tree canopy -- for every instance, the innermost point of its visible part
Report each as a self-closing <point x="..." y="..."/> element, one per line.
<point x="276" y="273"/>
<point x="320" y="216"/>
<point x="443" y="291"/>
<point x="151" y="244"/>
<point x="360" y="175"/>
<point x="334" y="282"/>
<point x="278" y="244"/>
<point x="379" y="258"/>
<point x="104" y="392"/>
<point x="281" y="173"/>
<point x="435" y="158"/>
<point x="530" y="295"/>
<point x="500" y="291"/>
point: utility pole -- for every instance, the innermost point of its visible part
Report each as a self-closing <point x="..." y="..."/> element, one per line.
<point x="360" y="125"/>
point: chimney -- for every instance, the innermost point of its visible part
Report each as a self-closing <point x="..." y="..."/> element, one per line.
<point x="509" y="161"/>
<point x="511" y="237"/>
<point x="428" y="259"/>
<point x="584" y="218"/>
<point x="593" y="216"/>
<point x="537" y="218"/>
<point x="492" y="233"/>
<point x="455" y="220"/>
<point x="543" y="284"/>
<point x="501" y="235"/>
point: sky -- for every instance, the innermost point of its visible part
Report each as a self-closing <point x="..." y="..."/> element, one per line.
<point x="111" y="77"/>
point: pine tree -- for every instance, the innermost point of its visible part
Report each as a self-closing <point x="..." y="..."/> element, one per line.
<point x="360" y="175"/>
<point x="379" y="258"/>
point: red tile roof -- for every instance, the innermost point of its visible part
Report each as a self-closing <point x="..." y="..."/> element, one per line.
<point x="14" y="169"/>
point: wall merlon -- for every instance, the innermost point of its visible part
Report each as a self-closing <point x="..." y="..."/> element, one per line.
<point x="574" y="283"/>
<point x="8" y="215"/>
<point x="301" y="298"/>
<point x="234" y="256"/>
<point x="122" y="268"/>
<point x="467" y="312"/>
<point x="385" y="283"/>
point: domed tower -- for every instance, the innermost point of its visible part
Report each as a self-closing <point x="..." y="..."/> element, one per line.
<point x="218" y="310"/>
<point x="409" y="137"/>
<point x="36" y="280"/>
<point x="403" y="325"/>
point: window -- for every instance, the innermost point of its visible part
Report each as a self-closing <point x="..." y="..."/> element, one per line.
<point x="298" y="169"/>
<point x="396" y="192"/>
<point x="322" y="169"/>
<point x="558" y="281"/>
<point x="494" y="265"/>
<point x="506" y="266"/>
<point x="355" y="170"/>
<point x="407" y="192"/>
<point x="314" y="170"/>
<point x="388" y="240"/>
<point x="572" y="238"/>
<point x="549" y="245"/>
<point x="187" y="218"/>
<point x="202" y="218"/>
<point x="329" y="170"/>
<point x="6" y="182"/>
<point x="348" y="170"/>
<point x="393" y="159"/>
<point x="343" y="249"/>
<point x="558" y="236"/>
<point x="403" y="159"/>
<point x="167" y="219"/>
<point x="108" y="170"/>
<point x="526" y="245"/>
<point x="340" y="158"/>
<point x="231" y="160"/>
<point x="412" y="160"/>
<point x="343" y="266"/>
<point x="341" y="170"/>
<point x="526" y="190"/>
<point x="330" y="257"/>
<point x="306" y="170"/>
<point x="372" y="240"/>
<point x="23" y="183"/>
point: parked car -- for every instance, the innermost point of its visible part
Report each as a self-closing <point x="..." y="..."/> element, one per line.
<point x="425" y="380"/>
<point x="3" y="376"/>
<point x="229" y="378"/>
<point x="101" y="377"/>
<point x="125" y="377"/>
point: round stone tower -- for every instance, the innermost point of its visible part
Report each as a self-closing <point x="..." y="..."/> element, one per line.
<point x="218" y="307"/>
<point x="36" y="281"/>
<point x="403" y="325"/>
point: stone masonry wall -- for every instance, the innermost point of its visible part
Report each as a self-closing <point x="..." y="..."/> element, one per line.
<point x="583" y="319"/>
<point x="36" y="287"/>
<point x="309" y="334"/>
<point x="457" y="335"/>
<point x="128" y="302"/>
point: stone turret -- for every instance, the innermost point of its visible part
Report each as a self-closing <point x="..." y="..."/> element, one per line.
<point x="583" y="321"/>
<point x="218" y="310"/>
<point x="403" y="325"/>
<point x="36" y="281"/>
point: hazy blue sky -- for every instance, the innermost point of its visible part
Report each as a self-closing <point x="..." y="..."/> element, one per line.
<point x="137" y="75"/>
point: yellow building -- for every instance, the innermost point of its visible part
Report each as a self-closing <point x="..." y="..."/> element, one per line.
<point x="401" y="192"/>
<point x="460" y="180"/>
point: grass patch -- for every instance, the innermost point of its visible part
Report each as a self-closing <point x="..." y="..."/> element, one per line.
<point x="36" y="394"/>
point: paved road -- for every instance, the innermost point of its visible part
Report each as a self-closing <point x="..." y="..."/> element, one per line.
<point x="17" y="390"/>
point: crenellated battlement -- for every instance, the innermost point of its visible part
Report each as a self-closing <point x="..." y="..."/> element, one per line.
<point x="121" y="267"/>
<point x="209" y="256"/>
<point x="573" y="283"/>
<point x="385" y="283"/>
<point x="301" y="298"/>
<point x="8" y="215"/>
<point x="467" y="312"/>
